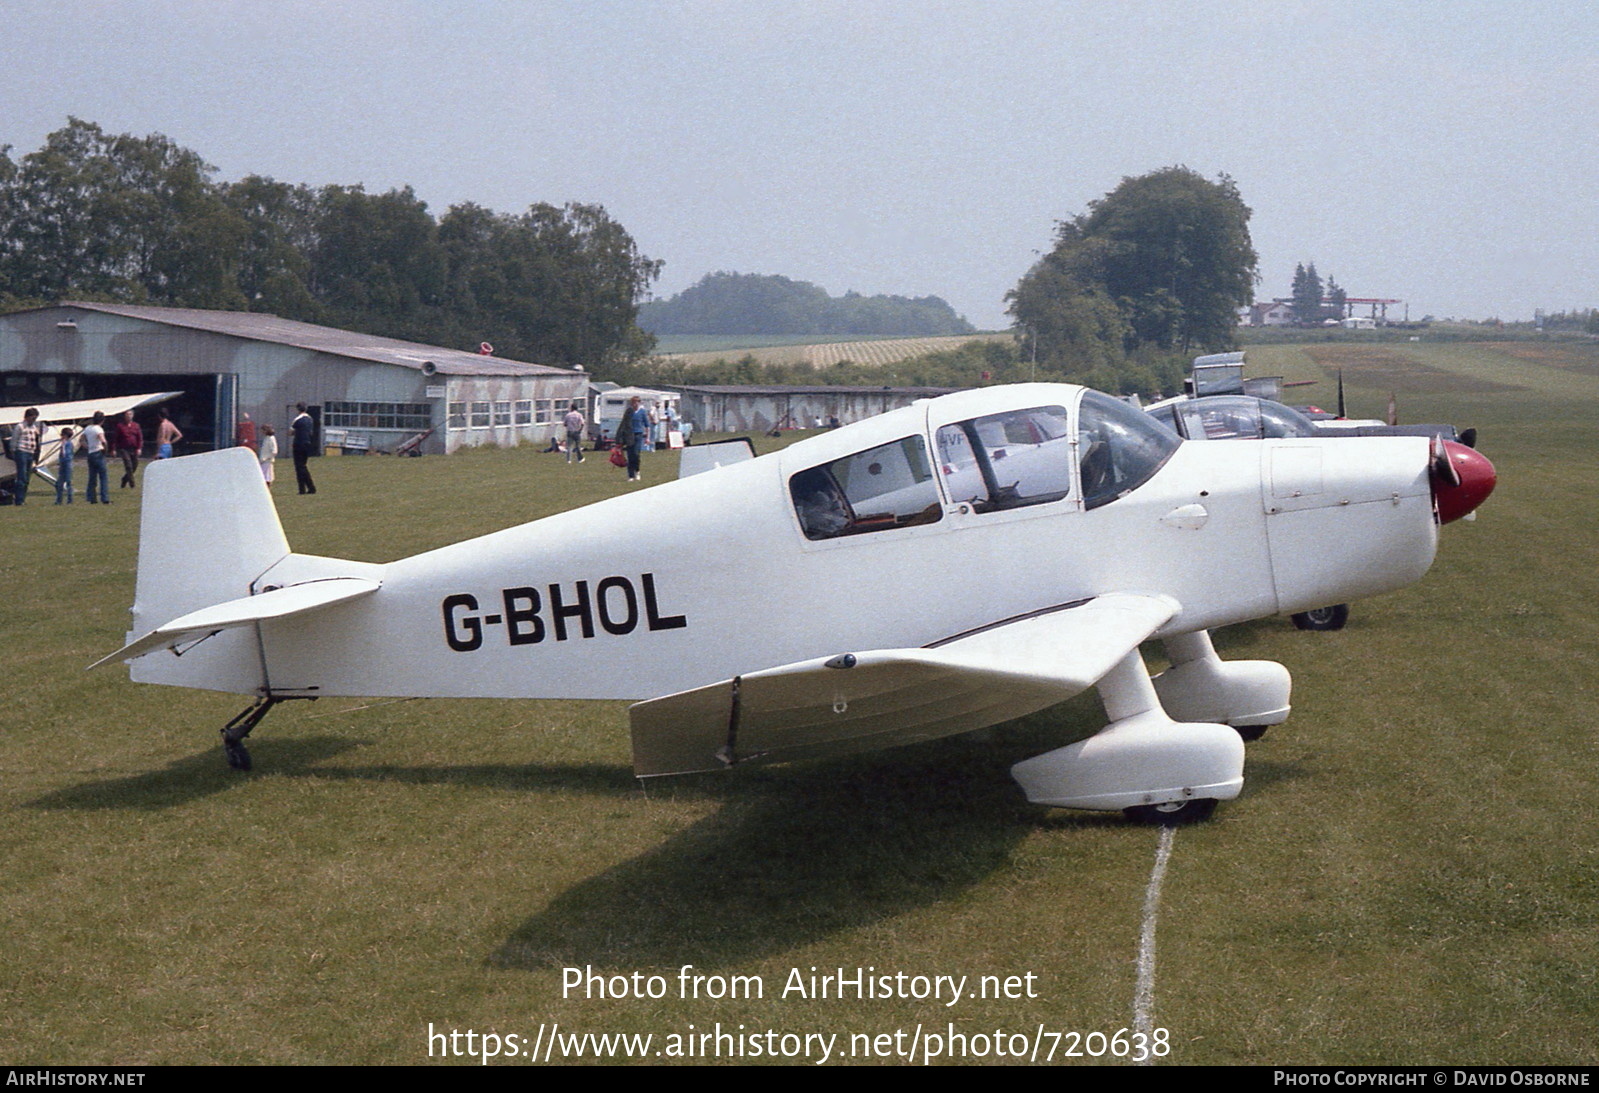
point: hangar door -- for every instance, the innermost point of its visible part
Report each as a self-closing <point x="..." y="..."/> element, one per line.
<point x="206" y="411"/>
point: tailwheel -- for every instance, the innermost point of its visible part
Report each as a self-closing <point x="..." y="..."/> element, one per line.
<point x="1173" y="813"/>
<point x="1250" y="733"/>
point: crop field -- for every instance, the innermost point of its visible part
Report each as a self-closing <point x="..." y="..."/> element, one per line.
<point x="1410" y="876"/>
<point x="824" y="354"/>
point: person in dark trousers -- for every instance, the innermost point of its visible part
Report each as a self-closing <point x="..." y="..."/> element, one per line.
<point x="127" y="441"/>
<point x="304" y="437"/>
<point x="27" y="440"/>
<point x="631" y="433"/>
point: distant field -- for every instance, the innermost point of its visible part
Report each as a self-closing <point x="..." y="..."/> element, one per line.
<point x="816" y="353"/>
<point x="1410" y="876"/>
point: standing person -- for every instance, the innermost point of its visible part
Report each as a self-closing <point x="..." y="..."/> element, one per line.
<point x="127" y="441"/>
<point x="573" y="423"/>
<point x="94" y="450"/>
<point x="64" y="466"/>
<point x="268" y="453"/>
<point x="631" y="433"/>
<point x="166" y="435"/>
<point x="27" y="438"/>
<point x="304" y="437"/>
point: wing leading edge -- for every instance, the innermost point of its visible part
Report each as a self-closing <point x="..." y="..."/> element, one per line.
<point x="859" y="701"/>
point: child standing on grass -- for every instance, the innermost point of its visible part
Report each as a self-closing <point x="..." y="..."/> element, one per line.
<point x="267" y="453"/>
<point x="64" y="467"/>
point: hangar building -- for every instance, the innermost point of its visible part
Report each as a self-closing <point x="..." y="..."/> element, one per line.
<point x="366" y="392"/>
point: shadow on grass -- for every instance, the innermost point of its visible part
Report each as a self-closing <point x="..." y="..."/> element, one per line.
<point x="192" y="778"/>
<point x="796" y="854"/>
<point x="601" y="779"/>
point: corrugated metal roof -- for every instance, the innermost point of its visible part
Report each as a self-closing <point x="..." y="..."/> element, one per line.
<point x="260" y="327"/>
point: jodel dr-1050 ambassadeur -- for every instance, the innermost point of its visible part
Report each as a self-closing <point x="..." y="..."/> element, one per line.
<point x="934" y="570"/>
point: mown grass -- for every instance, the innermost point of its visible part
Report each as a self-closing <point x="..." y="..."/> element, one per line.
<point x="1408" y="877"/>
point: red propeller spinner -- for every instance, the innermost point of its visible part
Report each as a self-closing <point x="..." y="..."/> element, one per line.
<point x="1462" y="478"/>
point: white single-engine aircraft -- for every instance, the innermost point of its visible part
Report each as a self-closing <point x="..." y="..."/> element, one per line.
<point x="937" y="569"/>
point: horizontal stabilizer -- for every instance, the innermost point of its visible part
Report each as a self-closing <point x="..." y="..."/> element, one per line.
<point x="853" y="701"/>
<point x="280" y="603"/>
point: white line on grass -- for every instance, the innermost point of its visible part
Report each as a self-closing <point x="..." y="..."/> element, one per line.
<point x="1144" y="992"/>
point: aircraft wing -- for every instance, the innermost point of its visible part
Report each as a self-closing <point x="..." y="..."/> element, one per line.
<point x="277" y="604"/>
<point x="83" y="409"/>
<point x="858" y="701"/>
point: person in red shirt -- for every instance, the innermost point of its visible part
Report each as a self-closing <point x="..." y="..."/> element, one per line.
<point x="127" y="441"/>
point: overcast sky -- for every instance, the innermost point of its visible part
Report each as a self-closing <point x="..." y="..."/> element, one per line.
<point x="1442" y="154"/>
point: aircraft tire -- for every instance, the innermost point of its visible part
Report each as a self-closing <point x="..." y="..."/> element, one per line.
<point x="1250" y="733"/>
<point x="1322" y="618"/>
<point x="1173" y="813"/>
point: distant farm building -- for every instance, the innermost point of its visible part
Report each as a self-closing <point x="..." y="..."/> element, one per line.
<point x="1271" y="313"/>
<point x="760" y="409"/>
<point x="366" y="392"/>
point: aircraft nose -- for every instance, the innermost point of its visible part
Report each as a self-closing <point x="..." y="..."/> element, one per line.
<point x="1462" y="478"/>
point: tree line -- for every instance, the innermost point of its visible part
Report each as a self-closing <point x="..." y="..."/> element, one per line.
<point x="127" y="219"/>
<point x="1151" y="274"/>
<point x="765" y="304"/>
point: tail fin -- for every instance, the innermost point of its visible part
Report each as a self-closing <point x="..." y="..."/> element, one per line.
<point x="207" y="531"/>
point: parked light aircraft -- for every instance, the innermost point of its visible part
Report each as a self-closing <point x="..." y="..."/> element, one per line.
<point x="937" y="569"/>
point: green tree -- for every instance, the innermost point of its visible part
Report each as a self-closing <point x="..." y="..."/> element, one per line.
<point x="1306" y="295"/>
<point x="1163" y="263"/>
<point x="1337" y="300"/>
<point x="119" y="217"/>
<point x="766" y="304"/>
<point x="557" y="285"/>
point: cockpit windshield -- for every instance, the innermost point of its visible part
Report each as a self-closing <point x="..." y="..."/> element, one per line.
<point x="1119" y="448"/>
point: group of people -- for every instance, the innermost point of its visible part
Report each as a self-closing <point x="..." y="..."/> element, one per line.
<point x="303" y="444"/>
<point x="632" y="435"/>
<point x="98" y="443"/>
<point x="101" y="441"/>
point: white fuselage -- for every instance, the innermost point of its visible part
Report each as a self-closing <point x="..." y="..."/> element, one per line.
<point x="708" y="577"/>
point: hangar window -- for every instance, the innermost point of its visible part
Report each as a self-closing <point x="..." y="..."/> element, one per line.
<point x="502" y="413"/>
<point x="377" y="415"/>
<point x="457" y="415"/>
<point x="1008" y="460"/>
<point x="1119" y="448"/>
<point x="480" y="415"/>
<point x="523" y="413"/>
<point x="890" y="486"/>
<point x="546" y="411"/>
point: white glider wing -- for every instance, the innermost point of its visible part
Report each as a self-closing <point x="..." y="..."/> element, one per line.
<point x="83" y="410"/>
<point x="857" y="701"/>
<point x="278" y="604"/>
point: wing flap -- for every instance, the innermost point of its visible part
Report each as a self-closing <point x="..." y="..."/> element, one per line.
<point x="855" y="701"/>
<point x="280" y="603"/>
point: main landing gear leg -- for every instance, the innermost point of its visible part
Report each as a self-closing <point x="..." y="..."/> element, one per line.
<point x="1249" y="695"/>
<point x="1155" y="768"/>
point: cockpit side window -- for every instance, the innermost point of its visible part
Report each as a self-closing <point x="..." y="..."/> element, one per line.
<point x="889" y="486"/>
<point x="1119" y="448"/>
<point x="1008" y="460"/>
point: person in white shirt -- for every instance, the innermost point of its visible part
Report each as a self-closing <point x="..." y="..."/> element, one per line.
<point x="267" y="452"/>
<point x="573" y="423"/>
<point x="94" y="449"/>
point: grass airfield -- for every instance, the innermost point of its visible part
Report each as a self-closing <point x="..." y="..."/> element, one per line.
<point x="1411" y="874"/>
